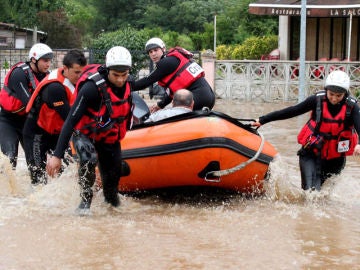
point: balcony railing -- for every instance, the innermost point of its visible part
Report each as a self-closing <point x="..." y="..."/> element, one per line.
<point x="270" y="81"/>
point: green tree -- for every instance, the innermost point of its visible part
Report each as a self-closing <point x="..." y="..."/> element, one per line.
<point x="253" y="25"/>
<point x="114" y="14"/>
<point x="81" y="15"/>
<point x="204" y="40"/>
<point x="51" y="17"/>
<point x="129" y="38"/>
<point x="236" y="24"/>
<point x="61" y="34"/>
<point x="181" y="16"/>
<point x="86" y="19"/>
<point x="5" y="14"/>
<point x="190" y="16"/>
<point x="172" y="39"/>
<point x="25" y="12"/>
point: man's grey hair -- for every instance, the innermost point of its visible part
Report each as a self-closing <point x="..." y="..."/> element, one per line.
<point x="183" y="97"/>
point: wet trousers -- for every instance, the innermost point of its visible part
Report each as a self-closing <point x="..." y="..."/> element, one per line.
<point x="109" y="164"/>
<point x="37" y="144"/>
<point x="11" y="126"/>
<point x="315" y="171"/>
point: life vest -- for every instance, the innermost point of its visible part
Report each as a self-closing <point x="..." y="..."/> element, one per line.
<point x="8" y="100"/>
<point x="186" y="73"/>
<point x="48" y="118"/>
<point x="329" y="136"/>
<point x="108" y="124"/>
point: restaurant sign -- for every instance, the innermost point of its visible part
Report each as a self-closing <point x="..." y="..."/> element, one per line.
<point x="295" y="10"/>
<point x="345" y="12"/>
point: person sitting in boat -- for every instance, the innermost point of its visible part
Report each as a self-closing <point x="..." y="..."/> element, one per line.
<point x="176" y="69"/>
<point x="331" y="133"/>
<point x="183" y="102"/>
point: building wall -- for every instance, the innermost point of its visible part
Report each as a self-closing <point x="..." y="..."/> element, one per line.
<point x="8" y="38"/>
<point x="284" y="36"/>
<point x="311" y="38"/>
<point x="325" y="38"/>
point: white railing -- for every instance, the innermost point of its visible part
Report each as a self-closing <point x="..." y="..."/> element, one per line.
<point x="270" y="81"/>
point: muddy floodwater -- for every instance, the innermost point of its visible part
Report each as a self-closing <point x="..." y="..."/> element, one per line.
<point x="284" y="229"/>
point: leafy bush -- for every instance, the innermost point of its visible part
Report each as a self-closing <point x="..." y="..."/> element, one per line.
<point x="224" y="52"/>
<point x="129" y="38"/>
<point x="170" y="38"/>
<point x="357" y="93"/>
<point x="251" y="48"/>
<point x="6" y="65"/>
<point x="254" y="47"/>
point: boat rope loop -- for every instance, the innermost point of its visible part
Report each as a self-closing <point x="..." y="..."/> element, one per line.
<point x="210" y="175"/>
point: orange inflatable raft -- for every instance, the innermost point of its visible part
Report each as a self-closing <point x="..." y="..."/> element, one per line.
<point x="202" y="148"/>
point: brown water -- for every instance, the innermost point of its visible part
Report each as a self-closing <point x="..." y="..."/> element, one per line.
<point x="285" y="229"/>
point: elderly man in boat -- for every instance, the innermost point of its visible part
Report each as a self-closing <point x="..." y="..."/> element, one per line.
<point x="183" y="102"/>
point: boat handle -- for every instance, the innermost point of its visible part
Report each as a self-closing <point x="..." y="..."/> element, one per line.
<point x="212" y="180"/>
<point x="241" y="165"/>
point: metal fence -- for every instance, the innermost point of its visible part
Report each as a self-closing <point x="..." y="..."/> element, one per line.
<point x="9" y="57"/>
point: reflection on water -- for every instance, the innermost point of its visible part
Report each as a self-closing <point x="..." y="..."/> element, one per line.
<point x="284" y="229"/>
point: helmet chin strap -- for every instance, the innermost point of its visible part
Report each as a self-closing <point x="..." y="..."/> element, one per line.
<point x="164" y="52"/>
<point x="36" y="65"/>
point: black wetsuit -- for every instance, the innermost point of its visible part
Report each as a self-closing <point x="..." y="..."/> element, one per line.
<point x="37" y="141"/>
<point x="314" y="171"/>
<point x="109" y="155"/>
<point x="202" y="92"/>
<point x="11" y="124"/>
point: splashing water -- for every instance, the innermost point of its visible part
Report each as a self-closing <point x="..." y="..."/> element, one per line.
<point x="286" y="228"/>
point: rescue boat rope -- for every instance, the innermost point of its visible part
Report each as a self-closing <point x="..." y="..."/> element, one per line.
<point x="239" y="166"/>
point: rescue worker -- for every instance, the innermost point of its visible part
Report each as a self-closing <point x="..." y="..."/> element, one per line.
<point x="176" y="70"/>
<point x="47" y="110"/>
<point x="19" y="84"/>
<point x="331" y="133"/>
<point x="98" y="120"/>
<point x="155" y="90"/>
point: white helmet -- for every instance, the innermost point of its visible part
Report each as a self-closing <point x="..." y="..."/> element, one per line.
<point x="118" y="58"/>
<point x="338" y="81"/>
<point x="40" y="50"/>
<point x="153" y="43"/>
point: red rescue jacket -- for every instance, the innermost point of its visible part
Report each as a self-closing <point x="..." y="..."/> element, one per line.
<point x="338" y="137"/>
<point x="8" y="100"/>
<point x="48" y="118"/>
<point x="186" y="73"/>
<point x="109" y="123"/>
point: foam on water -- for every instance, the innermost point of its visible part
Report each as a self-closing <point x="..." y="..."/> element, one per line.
<point x="61" y="195"/>
<point x="285" y="185"/>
